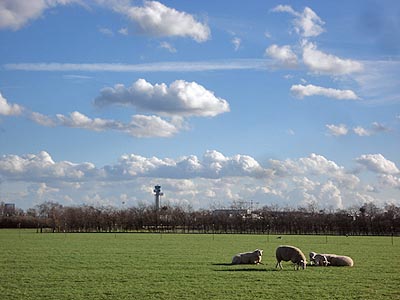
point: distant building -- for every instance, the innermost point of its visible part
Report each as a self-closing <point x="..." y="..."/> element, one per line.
<point x="232" y="212"/>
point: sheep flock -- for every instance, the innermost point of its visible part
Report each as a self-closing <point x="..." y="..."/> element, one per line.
<point x="296" y="256"/>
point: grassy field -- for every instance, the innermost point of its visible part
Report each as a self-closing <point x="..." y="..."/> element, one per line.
<point x="180" y="266"/>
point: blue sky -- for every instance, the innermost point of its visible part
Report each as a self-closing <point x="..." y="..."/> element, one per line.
<point x="291" y="103"/>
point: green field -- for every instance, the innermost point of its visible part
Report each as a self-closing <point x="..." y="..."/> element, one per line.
<point x="183" y="266"/>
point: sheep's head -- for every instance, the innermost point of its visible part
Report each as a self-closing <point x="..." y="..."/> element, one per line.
<point x="312" y="255"/>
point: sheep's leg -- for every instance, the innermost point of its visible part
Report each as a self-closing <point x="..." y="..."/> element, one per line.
<point x="279" y="264"/>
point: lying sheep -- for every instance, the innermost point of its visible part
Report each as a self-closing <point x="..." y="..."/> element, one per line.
<point x="318" y="259"/>
<point x="290" y="253"/>
<point x="339" y="260"/>
<point x="312" y="256"/>
<point x="321" y="260"/>
<point x="248" y="257"/>
<point x="330" y="259"/>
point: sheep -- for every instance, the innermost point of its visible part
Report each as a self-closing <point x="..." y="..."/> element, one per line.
<point x="318" y="259"/>
<point x="339" y="260"/>
<point x="312" y="257"/>
<point x="321" y="260"/>
<point x="248" y="257"/>
<point x="290" y="253"/>
<point x="331" y="259"/>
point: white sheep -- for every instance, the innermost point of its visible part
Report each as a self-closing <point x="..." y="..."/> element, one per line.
<point x="318" y="259"/>
<point x="339" y="260"/>
<point x="248" y="257"/>
<point x="321" y="260"/>
<point x="290" y="253"/>
<point x="312" y="257"/>
<point x="331" y="259"/>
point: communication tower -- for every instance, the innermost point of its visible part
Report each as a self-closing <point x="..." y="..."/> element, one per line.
<point x="158" y="194"/>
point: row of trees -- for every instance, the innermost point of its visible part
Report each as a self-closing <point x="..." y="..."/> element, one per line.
<point x="365" y="220"/>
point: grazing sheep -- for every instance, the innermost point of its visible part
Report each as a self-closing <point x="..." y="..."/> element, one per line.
<point x="339" y="260"/>
<point x="248" y="257"/>
<point x="290" y="253"/>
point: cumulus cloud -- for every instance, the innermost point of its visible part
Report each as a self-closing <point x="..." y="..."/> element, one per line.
<point x="378" y="163"/>
<point x="209" y="179"/>
<point x="313" y="164"/>
<point x="156" y="19"/>
<point x="212" y="165"/>
<point x="42" y="119"/>
<point x="180" y="98"/>
<point x="360" y="131"/>
<point x="14" y="14"/>
<point x="337" y="130"/>
<point x="302" y="91"/>
<point x="41" y="166"/>
<point x="140" y="125"/>
<point x="320" y="62"/>
<point x="284" y="55"/>
<point x="306" y="23"/>
<point x="391" y="180"/>
<point x="375" y="128"/>
<point x="8" y="109"/>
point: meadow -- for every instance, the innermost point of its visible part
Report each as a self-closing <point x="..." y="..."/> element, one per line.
<point x="189" y="266"/>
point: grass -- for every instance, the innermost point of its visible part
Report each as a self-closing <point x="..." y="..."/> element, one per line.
<point x="180" y="266"/>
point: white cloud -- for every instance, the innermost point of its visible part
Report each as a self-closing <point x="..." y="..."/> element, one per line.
<point x="378" y="163"/>
<point x="313" y="164"/>
<point x="123" y="31"/>
<point x="320" y="62"/>
<point x="302" y="91"/>
<point x="79" y="120"/>
<point x="337" y="130"/>
<point x="14" y="14"/>
<point x="376" y="128"/>
<point x="236" y="43"/>
<point x="168" y="46"/>
<point x="212" y="165"/>
<point x="283" y="55"/>
<point x="140" y="125"/>
<point x="306" y="23"/>
<point x="106" y="31"/>
<point x="212" y="179"/>
<point x="360" y="131"/>
<point x="181" y="98"/>
<point x="42" y="119"/>
<point x="391" y="180"/>
<point x="8" y="109"/>
<point x="173" y="66"/>
<point x="156" y="19"/>
<point x="154" y="126"/>
<point x="40" y="167"/>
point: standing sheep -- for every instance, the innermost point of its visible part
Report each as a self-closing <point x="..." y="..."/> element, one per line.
<point x="290" y="253"/>
<point x="248" y="257"/>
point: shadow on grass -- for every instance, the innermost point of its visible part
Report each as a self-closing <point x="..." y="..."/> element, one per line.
<point x="234" y="269"/>
<point x="242" y="270"/>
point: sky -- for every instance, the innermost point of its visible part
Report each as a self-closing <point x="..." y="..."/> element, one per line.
<point x="279" y="103"/>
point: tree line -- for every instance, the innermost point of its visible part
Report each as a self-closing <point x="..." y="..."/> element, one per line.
<point x="54" y="217"/>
